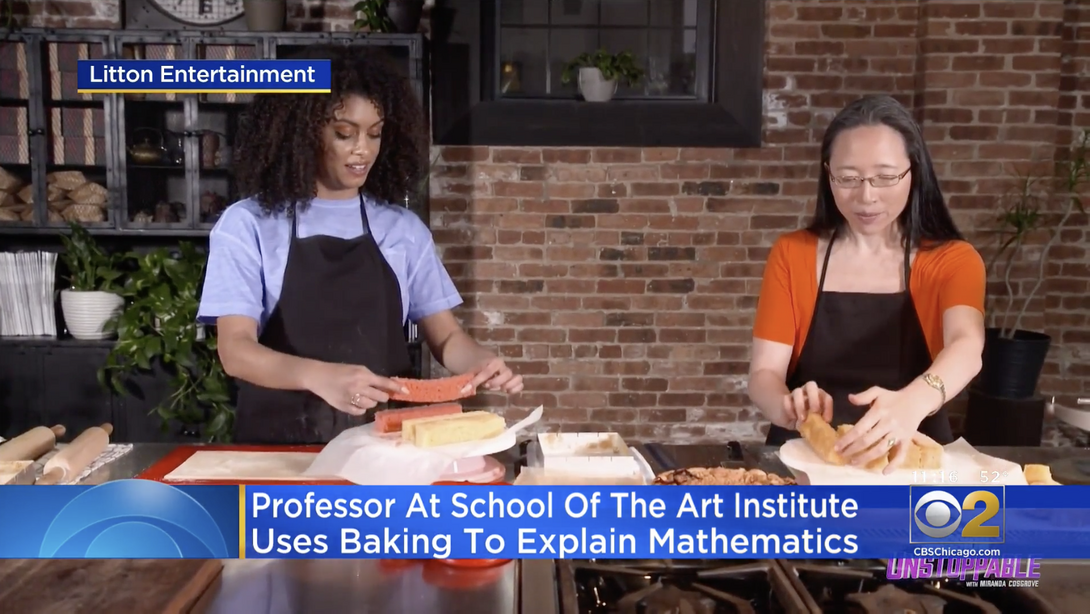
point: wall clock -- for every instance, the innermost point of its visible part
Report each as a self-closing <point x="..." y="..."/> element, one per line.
<point x="200" y="12"/>
<point x="185" y="14"/>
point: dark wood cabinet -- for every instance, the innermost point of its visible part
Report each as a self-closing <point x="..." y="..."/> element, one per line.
<point x="44" y="382"/>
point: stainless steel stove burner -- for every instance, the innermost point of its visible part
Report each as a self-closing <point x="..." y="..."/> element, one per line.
<point x="860" y="586"/>
<point x="675" y="587"/>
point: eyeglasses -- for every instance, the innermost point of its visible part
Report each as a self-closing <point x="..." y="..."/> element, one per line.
<point x="878" y="181"/>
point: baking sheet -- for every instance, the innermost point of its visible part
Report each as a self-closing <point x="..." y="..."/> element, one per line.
<point x="961" y="464"/>
<point x="239" y="465"/>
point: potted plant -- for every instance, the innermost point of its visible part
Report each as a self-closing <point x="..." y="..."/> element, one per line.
<point x="600" y="72"/>
<point x="1044" y="204"/>
<point x="372" y="16"/>
<point x="264" y="15"/>
<point x="405" y="15"/>
<point x="92" y="298"/>
<point x="158" y="329"/>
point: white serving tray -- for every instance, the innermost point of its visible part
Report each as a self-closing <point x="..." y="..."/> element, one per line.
<point x="588" y="454"/>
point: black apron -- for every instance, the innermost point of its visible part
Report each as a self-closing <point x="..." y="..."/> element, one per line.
<point x="340" y="302"/>
<point x="858" y="340"/>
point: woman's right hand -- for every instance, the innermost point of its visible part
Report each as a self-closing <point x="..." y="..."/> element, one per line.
<point x="351" y="388"/>
<point x="804" y="400"/>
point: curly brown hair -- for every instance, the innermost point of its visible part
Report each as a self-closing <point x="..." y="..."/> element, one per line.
<point x="279" y="142"/>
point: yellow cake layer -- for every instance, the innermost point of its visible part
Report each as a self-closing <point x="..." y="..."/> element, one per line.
<point x="459" y="428"/>
<point x="408" y="427"/>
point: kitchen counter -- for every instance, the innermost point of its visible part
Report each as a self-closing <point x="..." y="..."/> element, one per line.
<point x="144" y="455"/>
<point x="347" y="586"/>
<point x="374" y="587"/>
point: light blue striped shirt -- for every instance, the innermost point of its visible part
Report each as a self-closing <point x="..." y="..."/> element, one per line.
<point x="248" y="253"/>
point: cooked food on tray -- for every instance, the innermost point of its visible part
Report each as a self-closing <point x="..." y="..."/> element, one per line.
<point x="720" y="476"/>
<point x="923" y="452"/>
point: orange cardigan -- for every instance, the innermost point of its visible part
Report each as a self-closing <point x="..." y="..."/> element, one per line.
<point x="950" y="275"/>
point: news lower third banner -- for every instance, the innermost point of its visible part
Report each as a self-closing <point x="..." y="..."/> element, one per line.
<point x="203" y="76"/>
<point x="147" y="519"/>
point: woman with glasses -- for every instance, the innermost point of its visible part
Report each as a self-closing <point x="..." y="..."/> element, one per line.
<point x="873" y="315"/>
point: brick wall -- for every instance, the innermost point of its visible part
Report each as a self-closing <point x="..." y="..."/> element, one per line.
<point x="622" y="282"/>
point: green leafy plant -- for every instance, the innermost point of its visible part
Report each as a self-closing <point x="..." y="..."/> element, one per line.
<point x="158" y="328"/>
<point x="373" y="16"/>
<point x="90" y="268"/>
<point x="1028" y="211"/>
<point x="620" y="66"/>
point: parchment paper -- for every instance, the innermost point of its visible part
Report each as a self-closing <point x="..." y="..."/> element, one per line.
<point x="364" y="457"/>
<point x="961" y="464"/>
<point x="239" y="465"/>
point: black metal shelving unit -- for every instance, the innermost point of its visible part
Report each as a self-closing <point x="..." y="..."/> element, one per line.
<point x="181" y="194"/>
<point x="46" y="126"/>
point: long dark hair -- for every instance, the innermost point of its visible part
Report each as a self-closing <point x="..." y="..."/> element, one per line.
<point x="926" y="221"/>
<point x="279" y="145"/>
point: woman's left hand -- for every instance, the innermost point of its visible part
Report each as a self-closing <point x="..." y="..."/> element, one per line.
<point x="494" y="374"/>
<point x="889" y="425"/>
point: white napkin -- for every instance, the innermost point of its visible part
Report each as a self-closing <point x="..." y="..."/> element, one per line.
<point x="962" y="464"/>
<point x="364" y="457"/>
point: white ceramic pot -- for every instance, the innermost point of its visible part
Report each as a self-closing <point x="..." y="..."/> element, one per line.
<point x="594" y="87"/>
<point x="86" y="313"/>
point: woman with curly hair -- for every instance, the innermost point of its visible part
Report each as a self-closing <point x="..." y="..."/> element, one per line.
<point x="311" y="278"/>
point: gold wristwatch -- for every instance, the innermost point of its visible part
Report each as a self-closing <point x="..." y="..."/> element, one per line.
<point x="935" y="382"/>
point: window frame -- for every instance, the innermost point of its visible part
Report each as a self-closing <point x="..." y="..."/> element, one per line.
<point x="465" y="110"/>
<point x="702" y="70"/>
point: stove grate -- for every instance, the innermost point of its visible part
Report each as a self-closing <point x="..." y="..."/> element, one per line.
<point x="861" y="587"/>
<point x="679" y="586"/>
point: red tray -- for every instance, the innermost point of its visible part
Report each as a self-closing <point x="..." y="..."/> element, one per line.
<point x="179" y="455"/>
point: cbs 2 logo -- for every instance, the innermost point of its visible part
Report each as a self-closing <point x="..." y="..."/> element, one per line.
<point x="937" y="522"/>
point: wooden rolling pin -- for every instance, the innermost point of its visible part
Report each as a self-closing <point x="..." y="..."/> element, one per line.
<point x="76" y="456"/>
<point x="32" y="444"/>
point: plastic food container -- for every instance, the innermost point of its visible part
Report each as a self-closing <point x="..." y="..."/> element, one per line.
<point x="588" y="454"/>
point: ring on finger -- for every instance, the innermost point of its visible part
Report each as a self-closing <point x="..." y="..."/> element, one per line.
<point x="892" y="441"/>
<point x="356" y="399"/>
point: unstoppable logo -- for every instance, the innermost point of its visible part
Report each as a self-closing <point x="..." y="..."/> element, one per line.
<point x="989" y="572"/>
<point x="133" y="519"/>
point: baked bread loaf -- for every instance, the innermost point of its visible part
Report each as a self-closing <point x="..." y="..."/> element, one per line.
<point x="1039" y="475"/>
<point x="822" y="438"/>
<point x="923" y="452"/>
<point x="875" y="465"/>
<point x="457" y="428"/>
